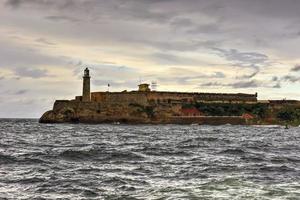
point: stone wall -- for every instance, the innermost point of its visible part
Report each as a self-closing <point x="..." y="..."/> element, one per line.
<point x="139" y="107"/>
<point x="145" y="98"/>
<point x="94" y="112"/>
<point x="120" y="97"/>
<point x="60" y="104"/>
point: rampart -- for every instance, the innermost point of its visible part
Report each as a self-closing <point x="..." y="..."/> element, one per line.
<point x="153" y="97"/>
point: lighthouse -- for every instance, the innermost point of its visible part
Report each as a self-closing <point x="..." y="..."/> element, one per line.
<point x="86" y="89"/>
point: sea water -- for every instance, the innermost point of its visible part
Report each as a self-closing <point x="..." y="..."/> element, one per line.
<point x="77" y="161"/>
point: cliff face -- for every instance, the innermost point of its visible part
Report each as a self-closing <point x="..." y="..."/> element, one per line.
<point x="92" y="112"/>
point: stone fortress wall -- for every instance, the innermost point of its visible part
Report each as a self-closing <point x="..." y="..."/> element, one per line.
<point x="142" y="103"/>
<point x="144" y="96"/>
<point x="153" y="97"/>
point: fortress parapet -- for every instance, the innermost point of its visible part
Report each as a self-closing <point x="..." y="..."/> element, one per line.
<point x="155" y="97"/>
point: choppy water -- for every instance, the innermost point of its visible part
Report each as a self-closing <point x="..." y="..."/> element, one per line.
<point x="68" y="161"/>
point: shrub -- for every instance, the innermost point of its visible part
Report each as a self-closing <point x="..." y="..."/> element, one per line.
<point x="231" y="109"/>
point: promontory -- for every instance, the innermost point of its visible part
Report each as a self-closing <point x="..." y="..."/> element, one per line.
<point x="146" y="106"/>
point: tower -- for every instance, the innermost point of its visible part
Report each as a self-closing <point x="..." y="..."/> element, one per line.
<point x="86" y="90"/>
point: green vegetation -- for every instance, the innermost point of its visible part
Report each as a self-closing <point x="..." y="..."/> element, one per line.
<point x="149" y="110"/>
<point x="233" y="109"/>
<point x="263" y="113"/>
<point x="289" y="115"/>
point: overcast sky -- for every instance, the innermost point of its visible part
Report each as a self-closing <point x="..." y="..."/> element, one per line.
<point x="184" y="45"/>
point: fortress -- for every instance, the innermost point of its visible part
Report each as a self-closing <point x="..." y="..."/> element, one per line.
<point x="145" y="106"/>
<point x="144" y="96"/>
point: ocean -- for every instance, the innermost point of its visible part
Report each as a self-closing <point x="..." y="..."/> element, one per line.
<point x="80" y="161"/>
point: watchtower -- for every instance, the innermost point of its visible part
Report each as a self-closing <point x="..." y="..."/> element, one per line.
<point x="144" y="87"/>
<point x="86" y="90"/>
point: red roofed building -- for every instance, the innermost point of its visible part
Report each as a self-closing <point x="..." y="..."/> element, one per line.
<point x="247" y="116"/>
<point x="190" y="112"/>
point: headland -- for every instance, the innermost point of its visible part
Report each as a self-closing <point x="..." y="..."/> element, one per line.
<point x="144" y="106"/>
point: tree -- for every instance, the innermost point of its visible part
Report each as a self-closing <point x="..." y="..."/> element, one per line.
<point x="286" y="115"/>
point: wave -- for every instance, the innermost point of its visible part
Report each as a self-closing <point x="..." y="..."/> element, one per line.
<point x="278" y="169"/>
<point x="236" y="151"/>
<point x="253" y="158"/>
<point x="75" y="161"/>
<point x="90" y="193"/>
<point x="26" y="180"/>
<point x="160" y="151"/>
<point x="7" y="159"/>
<point x="197" y="139"/>
<point x="99" y="154"/>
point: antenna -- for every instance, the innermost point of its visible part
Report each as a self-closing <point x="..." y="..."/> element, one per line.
<point x="153" y="86"/>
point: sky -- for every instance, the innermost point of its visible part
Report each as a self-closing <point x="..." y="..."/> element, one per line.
<point x="183" y="45"/>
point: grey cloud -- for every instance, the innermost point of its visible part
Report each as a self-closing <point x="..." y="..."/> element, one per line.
<point x="228" y="10"/>
<point x="61" y="18"/>
<point x="32" y="73"/>
<point x="59" y="4"/>
<point x="186" y="79"/>
<point x="20" y="92"/>
<point x="44" y="41"/>
<point x="247" y="76"/>
<point x="218" y="75"/>
<point x="195" y="27"/>
<point x="275" y="78"/>
<point x="244" y="59"/>
<point x="99" y="8"/>
<point x="14" y="92"/>
<point x="174" y="59"/>
<point x="291" y="78"/>
<point x="245" y="84"/>
<point x="116" y="11"/>
<point x="14" y="3"/>
<point x="180" y="22"/>
<point x="238" y="84"/>
<point x="26" y="56"/>
<point x="287" y="78"/>
<point x="167" y="58"/>
<point x="212" y="84"/>
<point x="184" y="45"/>
<point x="104" y="68"/>
<point x="296" y="68"/>
<point x="205" y="29"/>
<point x="277" y="85"/>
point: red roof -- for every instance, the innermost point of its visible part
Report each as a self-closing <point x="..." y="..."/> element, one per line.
<point x="247" y="116"/>
<point x="190" y="111"/>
